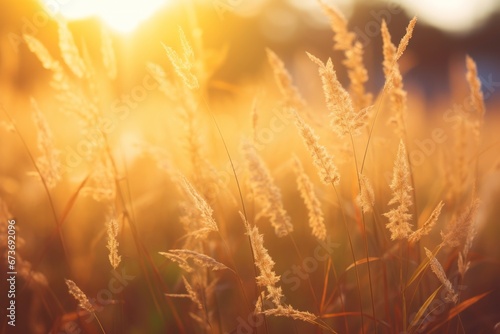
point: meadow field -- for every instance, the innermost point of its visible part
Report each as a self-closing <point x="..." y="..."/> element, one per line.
<point x="163" y="192"/>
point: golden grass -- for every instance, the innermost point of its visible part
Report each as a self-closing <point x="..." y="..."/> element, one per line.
<point x="174" y="227"/>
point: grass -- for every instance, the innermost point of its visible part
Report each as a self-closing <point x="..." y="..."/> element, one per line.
<point x="341" y="224"/>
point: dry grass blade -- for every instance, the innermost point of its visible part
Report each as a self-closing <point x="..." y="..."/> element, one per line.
<point x="69" y="51"/>
<point x="40" y="51"/>
<point x="353" y="314"/>
<point x="422" y="310"/>
<point x="266" y="192"/>
<point x="78" y="294"/>
<point x="458" y="231"/>
<point x="167" y="86"/>
<point x="288" y="91"/>
<point x="112" y="229"/>
<point x="48" y="163"/>
<point x="72" y="200"/>
<point x="108" y="54"/>
<point x="362" y="261"/>
<point x="451" y="294"/>
<point x="399" y="218"/>
<point x="345" y="40"/>
<point x="306" y="189"/>
<point x="406" y="38"/>
<point x="344" y="118"/>
<point x="421" y="267"/>
<point x="183" y="65"/>
<point x="199" y="219"/>
<point x="428" y="225"/>
<point x="476" y="95"/>
<point x="289" y="312"/>
<point x="263" y="261"/>
<point x="343" y="37"/>
<point x="476" y="98"/>
<point x="201" y="260"/>
<point x="101" y="185"/>
<point x="191" y="293"/>
<point x="67" y="209"/>
<point x="463" y="263"/>
<point x="394" y="84"/>
<point x="321" y="158"/>
<point x="456" y="310"/>
<point x="180" y="260"/>
<point x="366" y="197"/>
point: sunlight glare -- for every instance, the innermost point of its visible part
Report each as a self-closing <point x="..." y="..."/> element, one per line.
<point x="451" y="15"/>
<point x="121" y="15"/>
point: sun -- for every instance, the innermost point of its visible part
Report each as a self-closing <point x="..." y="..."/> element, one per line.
<point x="121" y="15"/>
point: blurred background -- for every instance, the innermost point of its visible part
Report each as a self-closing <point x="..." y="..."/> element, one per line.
<point x="447" y="30"/>
<point x="233" y="35"/>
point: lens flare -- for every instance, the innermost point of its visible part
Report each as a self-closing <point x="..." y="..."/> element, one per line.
<point x="452" y="15"/>
<point x="121" y="15"/>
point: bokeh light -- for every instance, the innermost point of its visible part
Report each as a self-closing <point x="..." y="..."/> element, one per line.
<point x="121" y="15"/>
<point x="457" y="16"/>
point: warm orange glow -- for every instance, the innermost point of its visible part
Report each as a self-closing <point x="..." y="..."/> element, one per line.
<point x="452" y="15"/>
<point x="123" y="16"/>
<point x="249" y="166"/>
